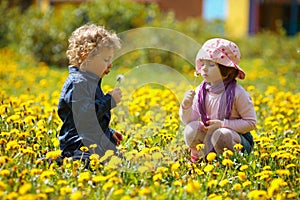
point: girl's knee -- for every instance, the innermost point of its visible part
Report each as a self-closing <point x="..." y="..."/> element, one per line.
<point x="221" y="137"/>
<point x="191" y="133"/>
<point x="225" y="138"/>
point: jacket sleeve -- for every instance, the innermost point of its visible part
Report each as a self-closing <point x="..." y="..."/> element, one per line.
<point x="245" y="108"/>
<point x="104" y="105"/>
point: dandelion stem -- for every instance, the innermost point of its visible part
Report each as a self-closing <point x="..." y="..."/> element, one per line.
<point x="225" y="171"/>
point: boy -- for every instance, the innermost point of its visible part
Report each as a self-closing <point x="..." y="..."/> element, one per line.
<point x="83" y="107"/>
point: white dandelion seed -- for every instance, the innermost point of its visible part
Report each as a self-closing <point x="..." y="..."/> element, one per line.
<point x="120" y="78"/>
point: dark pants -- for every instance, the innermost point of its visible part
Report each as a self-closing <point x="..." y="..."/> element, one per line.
<point x="247" y="142"/>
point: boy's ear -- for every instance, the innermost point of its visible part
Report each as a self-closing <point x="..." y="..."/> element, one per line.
<point x="84" y="57"/>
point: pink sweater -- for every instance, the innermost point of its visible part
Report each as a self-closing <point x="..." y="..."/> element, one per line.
<point x="242" y="119"/>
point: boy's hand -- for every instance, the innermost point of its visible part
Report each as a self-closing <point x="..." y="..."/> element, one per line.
<point x="116" y="94"/>
<point x="188" y="99"/>
<point x="118" y="137"/>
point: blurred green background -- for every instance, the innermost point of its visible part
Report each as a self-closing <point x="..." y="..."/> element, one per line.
<point x="44" y="37"/>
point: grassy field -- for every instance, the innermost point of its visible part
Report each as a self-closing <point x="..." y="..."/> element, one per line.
<point x="156" y="161"/>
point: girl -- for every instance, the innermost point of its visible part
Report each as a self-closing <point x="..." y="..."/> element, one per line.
<point x="220" y="113"/>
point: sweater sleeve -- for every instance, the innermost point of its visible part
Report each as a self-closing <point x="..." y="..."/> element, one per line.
<point x="244" y="107"/>
<point x="190" y="114"/>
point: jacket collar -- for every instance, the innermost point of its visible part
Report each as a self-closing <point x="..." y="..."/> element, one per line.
<point x="88" y="75"/>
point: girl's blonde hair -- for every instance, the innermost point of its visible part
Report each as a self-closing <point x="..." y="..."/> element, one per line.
<point x="87" y="39"/>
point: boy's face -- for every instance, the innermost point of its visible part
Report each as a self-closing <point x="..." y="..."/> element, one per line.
<point x="100" y="63"/>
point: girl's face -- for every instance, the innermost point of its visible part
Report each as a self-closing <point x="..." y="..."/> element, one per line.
<point x="210" y="71"/>
<point x="100" y="63"/>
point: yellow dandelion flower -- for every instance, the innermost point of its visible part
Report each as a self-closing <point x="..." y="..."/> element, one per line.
<point x="76" y="196"/>
<point x="192" y="186"/>
<point x="162" y="169"/>
<point x="3" y="141"/>
<point x="290" y="166"/>
<point x="238" y="147"/>
<point x="107" y="185"/>
<point x="35" y="171"/>
<point x="114" y="162"/>
<point x="227" y="153"/>
<point x="126" y="197"/>
<point x="227" y="162"/>
<point x="84" y="177"/>
<point x="100" y="178"/>
<point x="215" y="197"/>
<point x="283" y="172"/>
<point x="211" y="156"/>
<point x="93" y="146"/>
<point x="118" y="192"/>
<point x="62" y="182"/>
<point x="237" y="186"/>
<point x="157" y="155"/>
<point x="65" y="190"/>
<point x="198" y="171"/>
<point x="143" y="169"/>
<point x="12" y="145"/>
<point x="177" y="183"/>
<point x="5" y="172"/>
<point x="5" y="160"/>
<point x="94" y="157"/>
<point x="47" y="174"/>
<point x="77" y="164"/>
<point x="25" y="188"/>
<point x="157" y="177"/>
<point x="275" y="186"/>
<point x="208" y="168"/>
<point x="13" y="118"/>
<point x="144" y="191"/>
<point x="246" y="183"/>
<point x="53" y="154"/>
<point x="84" y="149"/>
<point x="12" y="195"/>
<point x="107" y="154"/>
<point x="291" y="195"/>
<point x="264" y="156"/>
<point x="2" y="186"/>
<point x="223" y="182"/>
<point x="258" y="194"/>
<point x="55" y="142"/>
<point x="200" y="147"/>
<point x="212" y="183"/>
<point x="242" y="176"/>
<point x="175" y="166"/>
<point x="244" y="167"/>
<point x="49" y="190"/>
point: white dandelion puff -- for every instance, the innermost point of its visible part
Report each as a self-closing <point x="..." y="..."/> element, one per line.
<point x="120" y="78"/>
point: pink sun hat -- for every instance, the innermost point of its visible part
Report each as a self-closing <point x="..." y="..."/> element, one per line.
<point x="221" y="51"/>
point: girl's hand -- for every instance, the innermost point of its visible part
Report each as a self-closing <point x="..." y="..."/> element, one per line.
<point x="214" y="124"/>
<point x="188" y="99"/>
<point x="116" y="94"/>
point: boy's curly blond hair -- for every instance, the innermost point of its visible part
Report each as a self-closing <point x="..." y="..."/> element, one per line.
<point x="88" y="38"/>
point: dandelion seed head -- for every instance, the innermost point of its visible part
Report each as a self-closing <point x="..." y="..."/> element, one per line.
<point x="120" y="78"/>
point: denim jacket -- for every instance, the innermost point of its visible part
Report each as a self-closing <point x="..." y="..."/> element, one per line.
<point x="85" y="112"/>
